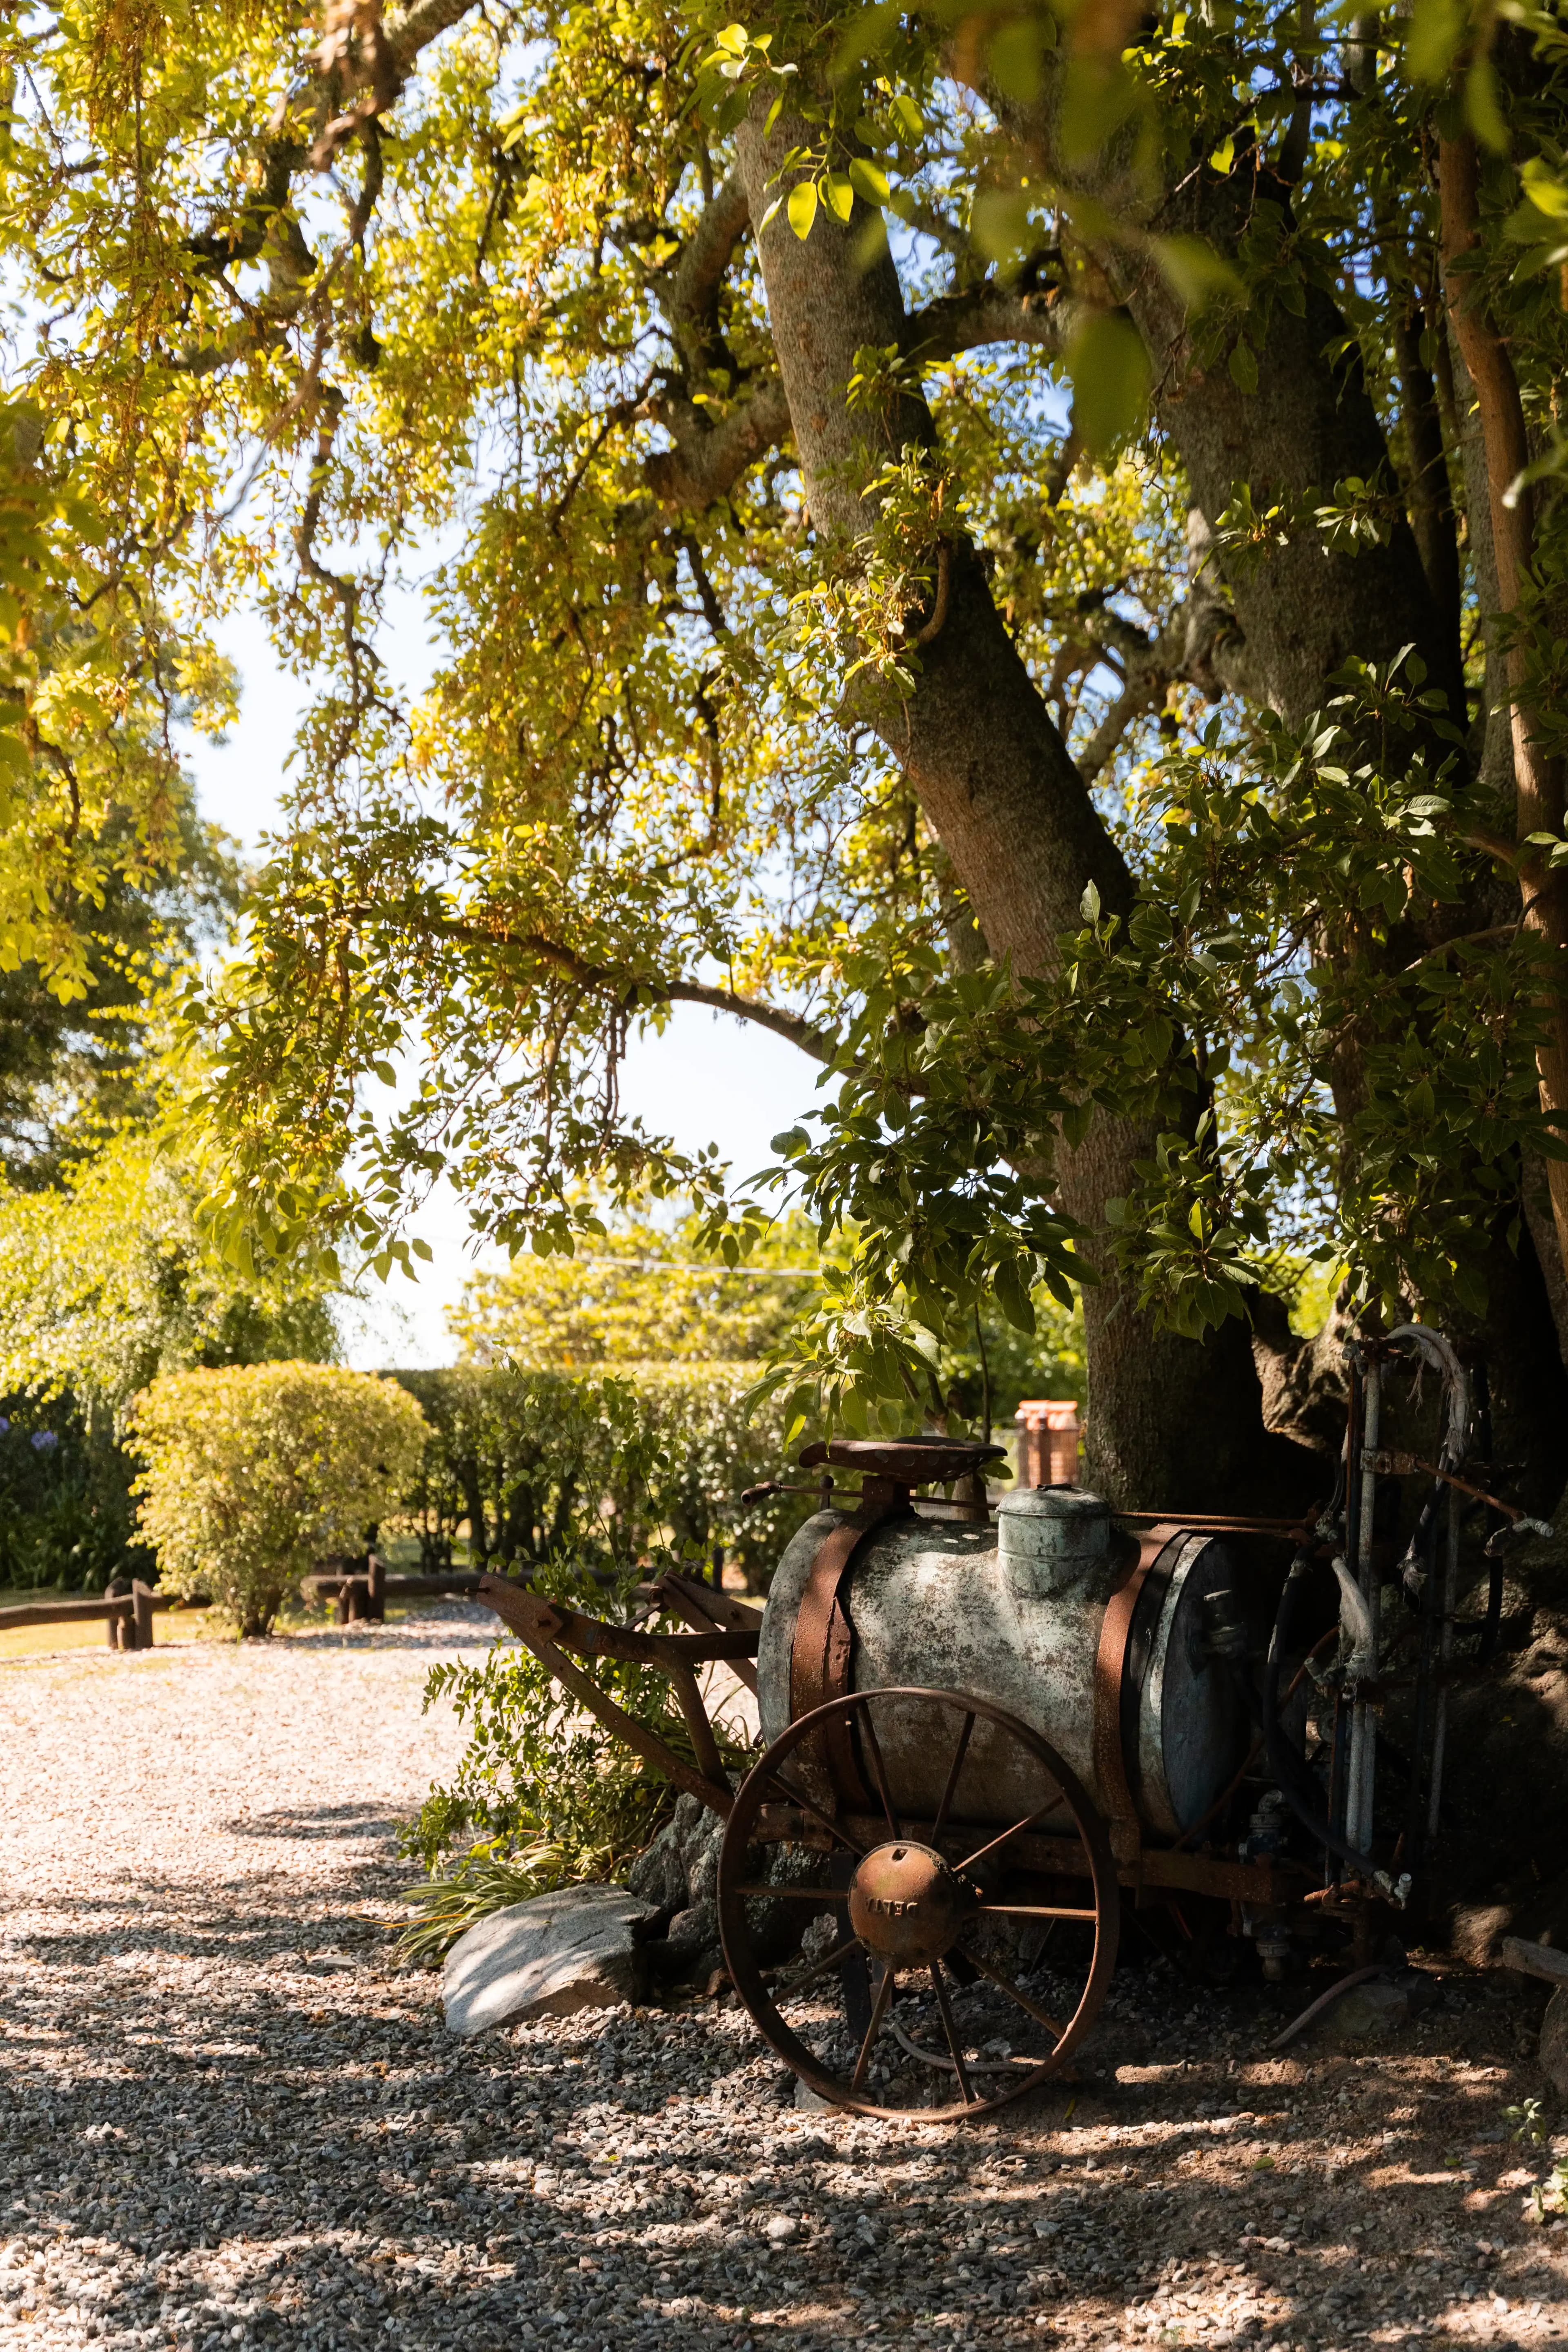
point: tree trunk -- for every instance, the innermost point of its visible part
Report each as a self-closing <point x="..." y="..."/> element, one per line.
<point x="1172" y="1422"/>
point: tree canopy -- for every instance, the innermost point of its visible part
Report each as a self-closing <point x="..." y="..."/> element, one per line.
<point x="1020" y="551"/>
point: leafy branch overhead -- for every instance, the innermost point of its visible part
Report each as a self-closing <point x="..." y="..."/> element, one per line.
<point x="1020" y="554"/>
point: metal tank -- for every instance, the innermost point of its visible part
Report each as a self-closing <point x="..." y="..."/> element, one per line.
<point x="1017" y="1614"/>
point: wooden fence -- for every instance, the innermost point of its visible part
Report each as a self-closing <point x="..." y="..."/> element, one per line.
<point x="362" y="1595"/>
<point x="127" y="1615"/>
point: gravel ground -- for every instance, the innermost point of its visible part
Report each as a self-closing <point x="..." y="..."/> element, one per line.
<point x="223" y="2118"/>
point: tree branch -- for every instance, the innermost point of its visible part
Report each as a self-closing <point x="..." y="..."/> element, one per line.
<point x="632" y="990"/>
<point x="1537" y="777"/>
<point x="986" y="314"/>
<point x="708" y="459"/>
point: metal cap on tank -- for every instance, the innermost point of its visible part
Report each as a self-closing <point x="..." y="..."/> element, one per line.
<point x="1051" y="1537"/>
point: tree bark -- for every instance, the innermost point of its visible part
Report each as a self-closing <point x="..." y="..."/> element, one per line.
<point x="1308" y="608"/>
<point x="1172" y="1422"/>
<point x="1537" y="778"/>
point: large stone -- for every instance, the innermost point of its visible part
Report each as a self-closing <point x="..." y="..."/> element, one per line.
<point x="581" y="1947"/>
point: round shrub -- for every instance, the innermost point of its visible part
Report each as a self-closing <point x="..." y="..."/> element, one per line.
<point x="256" y="1471"/>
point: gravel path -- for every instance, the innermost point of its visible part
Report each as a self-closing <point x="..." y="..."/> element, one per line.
<point x="223" y="2119"/>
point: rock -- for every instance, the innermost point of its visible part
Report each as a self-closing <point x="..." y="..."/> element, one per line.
<point x="1368" y="2012"/>
<point x="809" y="2102"/>
<point x="782" y="2229"/>
<point x="1555" y="2041"/>
<point x="680" y="1868"/>
<point x="580" y="1948"/>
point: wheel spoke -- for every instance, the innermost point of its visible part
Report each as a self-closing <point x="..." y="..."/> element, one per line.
<point x="948" y="1794"/>
<point x="960" y="2069"/>
<point x="1006" y="1984"/>
<point x="1016" y="1830"/>
<point x="833" y="1959"/>
<point x="879" y="2011"/>
<point x="1009" y="1910"/>
<point x="798" y="1797"/>
<point x="879" y="1771"/>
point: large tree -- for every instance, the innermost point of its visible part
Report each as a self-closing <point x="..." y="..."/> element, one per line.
<point x="1147" y="810"/>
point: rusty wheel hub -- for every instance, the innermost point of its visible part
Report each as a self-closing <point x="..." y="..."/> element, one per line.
<point x="907" y="1904"/>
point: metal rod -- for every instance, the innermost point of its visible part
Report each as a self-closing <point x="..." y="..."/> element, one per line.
<point x="1445" y="1651"/>
<point x="1362" y="1773"/>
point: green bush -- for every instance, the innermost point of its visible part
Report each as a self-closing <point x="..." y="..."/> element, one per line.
<point x="606" y="1469"/>
<point x="256" y="1471"/>
<point x="65" y="1513"/>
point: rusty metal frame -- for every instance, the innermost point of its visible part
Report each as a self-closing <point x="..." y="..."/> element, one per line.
<point x="550" y="1628"/>
<point x="708" y="1609"/>
<point x="824" y="1639"/>
<point x="1165" y="1870"/>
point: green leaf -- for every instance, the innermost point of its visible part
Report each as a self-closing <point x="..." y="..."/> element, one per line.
<point x="837" y="194"/>
<point x="999" y="224"/>
<point x="1243" y="365"/>
<point x="1483" y="110"/>
<point x="1108" y="368"/>
<point x="1437" y="28"/>
<point x="1195" y="273"/>
<point x="1015" y="57"/>
<point x="802" y="208"/>
<point x="868" y="180"/>
<point x="1013" y="1295"/>
<point x="1089" y="905"/>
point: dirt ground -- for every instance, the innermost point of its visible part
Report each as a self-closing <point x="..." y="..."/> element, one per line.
<point x="226" y="2119"/>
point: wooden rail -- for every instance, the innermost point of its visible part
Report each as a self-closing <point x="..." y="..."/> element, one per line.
<point x="361" y="1594"/>
<point x="128" y="1615"/>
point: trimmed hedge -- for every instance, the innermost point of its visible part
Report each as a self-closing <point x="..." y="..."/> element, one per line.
<point x="608" y="1468"/>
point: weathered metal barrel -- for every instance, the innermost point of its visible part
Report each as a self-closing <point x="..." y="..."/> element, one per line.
<point x="1118" y="1660"/>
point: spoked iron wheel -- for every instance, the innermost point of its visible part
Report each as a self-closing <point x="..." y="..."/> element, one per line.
<point x="910" y="1995"/>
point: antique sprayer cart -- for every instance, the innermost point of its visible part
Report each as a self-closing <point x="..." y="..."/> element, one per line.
<point x="985" y="1735"/>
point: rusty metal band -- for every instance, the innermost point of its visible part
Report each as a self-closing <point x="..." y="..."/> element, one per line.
<point x="820" y="1655"/>
<point x="1110" y="1671"/>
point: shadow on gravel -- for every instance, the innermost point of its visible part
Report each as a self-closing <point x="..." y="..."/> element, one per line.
<point x="315" y="1821"/>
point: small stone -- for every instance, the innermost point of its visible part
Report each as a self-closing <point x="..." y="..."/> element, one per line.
<point x="580" y="1948"/>
<point x="1555" y="2041"/>
<point x="782" y="2229"/>
<point x="808" y="2102"/>
<point x="1369" y="2012"/>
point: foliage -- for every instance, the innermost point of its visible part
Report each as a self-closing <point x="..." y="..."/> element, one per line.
<point x="536" y="1774"/>
<point x="256" y="1471"/>
<point x="73" y="1070"/>
<point x="66" y="1514"/>
<point x="94" y="814"/>
<point x="640" y="1293"/>
<point x="485" y="1880"/>
<point x="106" y="1281"/>
<point x="661" y="763"/>
<point x="614" y="1470"/>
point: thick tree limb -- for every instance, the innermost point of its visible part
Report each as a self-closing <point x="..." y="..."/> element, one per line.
<point x="1537" y="778"/>
<point x="997" y="786"/>
<point x="409" y="30"/>
<point x="708" y="459"/>
<point x="987" y="314"/>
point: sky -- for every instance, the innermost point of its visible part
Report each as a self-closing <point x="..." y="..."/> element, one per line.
<point x="708" y="1079"/>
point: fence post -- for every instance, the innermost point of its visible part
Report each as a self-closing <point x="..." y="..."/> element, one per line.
<point x="140" y="1615"/>
<point x="375" y="1592"/>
